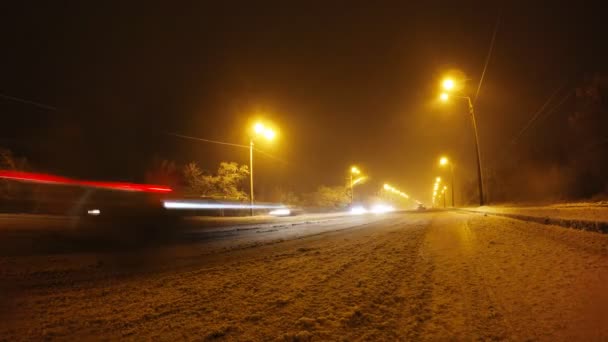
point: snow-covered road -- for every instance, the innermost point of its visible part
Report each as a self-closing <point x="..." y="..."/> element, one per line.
<point x="402" y="276"/>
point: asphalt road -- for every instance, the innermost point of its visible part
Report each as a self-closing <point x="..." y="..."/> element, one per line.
<point x="400" y="276"/>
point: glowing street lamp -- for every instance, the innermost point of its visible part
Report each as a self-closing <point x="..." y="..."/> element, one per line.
<point x="395" y="191"/>
<point x="444" y="161"/>
<point x="449" y="85"/>
<point x="259" y="130"/>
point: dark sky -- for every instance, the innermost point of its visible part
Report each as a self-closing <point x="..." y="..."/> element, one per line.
<point x="347" y="83"/>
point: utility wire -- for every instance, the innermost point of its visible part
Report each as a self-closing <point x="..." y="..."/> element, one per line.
<point x="227" y="143"/>
<point x="33" y="103"/>
<point x="207" y="140"/>
<point x="552" y="110"/>
<point x="537" y="114"/>
<point x="485" y="67"/>
<point x="270" y="156"/>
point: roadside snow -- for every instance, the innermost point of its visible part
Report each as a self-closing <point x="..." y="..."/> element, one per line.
<point x="426" y="276"/>
<point x="565" y="211"/>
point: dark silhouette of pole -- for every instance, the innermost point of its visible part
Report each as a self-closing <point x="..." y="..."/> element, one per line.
<point x="452" y="169"/>
<point x="251" y="177"/>
<point x="352" y="190"/>
<point x="479" y="175"/>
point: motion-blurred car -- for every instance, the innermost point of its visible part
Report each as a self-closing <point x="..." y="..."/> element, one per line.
<point x="421" y="207"/>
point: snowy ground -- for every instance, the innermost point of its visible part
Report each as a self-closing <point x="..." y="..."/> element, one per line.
<point x="403" y="276"/>
<point x="597" y="211"/>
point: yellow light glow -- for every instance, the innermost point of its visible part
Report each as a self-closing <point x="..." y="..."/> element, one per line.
<point x="448" y="84"/>
<point x="259" y="128"/>
<point x="443" y="161"/>
<point x="355" y="170"/>
<point x="445" y="187"/>
<point x="436" y="187"/>
<point x="444" y="97"/>
<point x="438" y="179"/>
<point x="269" y="134"/>
<point x="387" y="187"/>
<point x="360" y="179"/>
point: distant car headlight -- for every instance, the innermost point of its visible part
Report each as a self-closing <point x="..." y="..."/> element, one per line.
<point x="94" y="212"/>
<point x="280" y="212"/>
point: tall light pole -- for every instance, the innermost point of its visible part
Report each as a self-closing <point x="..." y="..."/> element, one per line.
<point x="436" y="188"/>
<point x="353" y="171"/>
<point x="444" y="161"/>
<point x="449" y="85"/>
<point x="258" y="130"/>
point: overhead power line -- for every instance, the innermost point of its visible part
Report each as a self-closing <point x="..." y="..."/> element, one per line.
<point x="29" y="102"/>
<point x="537" y="113"/>
<point x="227" y="143"/>
<point x="485" y="66"/>
<point x="539" y="116"/>
<point x="207" y="140"/>
<point x="554" y="108"/>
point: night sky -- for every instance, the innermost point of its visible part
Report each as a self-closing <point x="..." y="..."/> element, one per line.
<point x="346" y="83"/>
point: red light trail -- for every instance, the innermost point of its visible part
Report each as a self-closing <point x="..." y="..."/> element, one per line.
<point x="58" y="180"/>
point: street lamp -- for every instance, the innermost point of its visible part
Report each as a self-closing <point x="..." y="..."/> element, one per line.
<point x="448" y="84"/>
<point x="259" y="130"/>
<point x="444" y="161"/>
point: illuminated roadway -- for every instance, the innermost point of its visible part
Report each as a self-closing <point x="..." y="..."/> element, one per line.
<point x="398" y="276"/>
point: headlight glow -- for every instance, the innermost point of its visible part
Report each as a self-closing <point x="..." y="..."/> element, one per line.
<point x="382" y="208"/>
<point x="280" y="212"/>
<point x="358" y="210"/>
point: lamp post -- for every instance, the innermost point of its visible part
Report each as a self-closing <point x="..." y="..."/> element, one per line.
<point x="436" y="188"/>
<point x="449" y="85"/>
<point x="353" y="171"/>
<point x="444" y="161"/>
<point x="259" y="130"/>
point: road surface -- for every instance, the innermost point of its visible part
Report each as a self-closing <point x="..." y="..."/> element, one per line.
<point x="400" y="276"/>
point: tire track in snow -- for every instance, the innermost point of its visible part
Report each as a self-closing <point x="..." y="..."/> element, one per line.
<point x="451" y="300"/>
<point x="359" y="300"/>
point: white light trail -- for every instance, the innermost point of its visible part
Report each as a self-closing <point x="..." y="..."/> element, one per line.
<point x="207" y="205"/>
<point x="358" y="210"/>
<point x="280" y="212"/>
